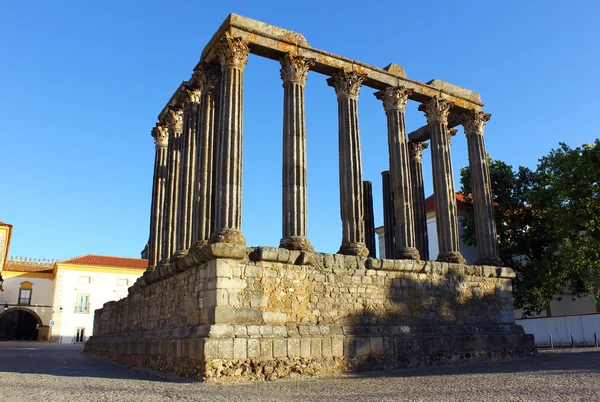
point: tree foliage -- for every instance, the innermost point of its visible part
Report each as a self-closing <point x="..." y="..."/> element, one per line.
<point x="548" y="223"/>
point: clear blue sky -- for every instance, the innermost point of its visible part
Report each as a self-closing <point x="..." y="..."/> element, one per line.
<point x="81" y="84"/>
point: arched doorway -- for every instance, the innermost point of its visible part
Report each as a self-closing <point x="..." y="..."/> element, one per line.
<point x="19" y="324"/>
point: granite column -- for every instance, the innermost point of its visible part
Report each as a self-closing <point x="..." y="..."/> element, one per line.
<point x="174" y="121"/>
<point x="233" y="55"/>
<point x="347" y="85"/>
<point x="161" y="139"/>
<point x="294" y="70"/>
<point x="415" y="152"/>
<point x="446" y="217"/>
<point x="483" y="204"/>
<point x="394" y="103"/>
<point x="208" y="76"/>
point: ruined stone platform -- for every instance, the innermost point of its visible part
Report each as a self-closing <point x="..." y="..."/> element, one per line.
<point x="226" y="312"/>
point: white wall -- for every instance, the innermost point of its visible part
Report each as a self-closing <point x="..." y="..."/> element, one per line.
<point x="41" y="294"/>
<point x="469" y="252"/>
<point x="101" y="289"/>
<point x="582" y="327"/>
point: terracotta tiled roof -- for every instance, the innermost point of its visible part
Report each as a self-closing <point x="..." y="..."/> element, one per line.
<point x="460" y="203"/>
<point x="15" y="266"/>
<point x="5" y="224"/>
<point x="104" y="261"/>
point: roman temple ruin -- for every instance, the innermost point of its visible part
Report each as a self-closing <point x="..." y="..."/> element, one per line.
<point x="209" y="307"/>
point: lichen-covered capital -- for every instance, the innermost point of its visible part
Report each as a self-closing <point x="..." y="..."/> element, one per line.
<point x="161" y="136"/>
<point x="346" y="83"/>
<point x="474" y="121"/>
<point x="394" y="98"/>
<point x="232" y="51"/>
<point x="295" y="68"/>
<point x="436" y="110"/>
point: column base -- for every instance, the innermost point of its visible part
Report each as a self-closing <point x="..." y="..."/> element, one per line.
<point x="452" y="256"/>
<point x="179" y="254"/>
<point x="357" y="249"/>
<point x="226" y="235"/>
<point x="407" y="253"/>
<point x="296" y="243"/>
<point x="491" y="261"/>
<point x="150" y="269"/>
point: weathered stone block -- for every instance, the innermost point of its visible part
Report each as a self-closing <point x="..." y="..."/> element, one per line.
<point x="305" y="347"/>
<point x="279" y="347"/>
<point x="253" y="347"/>
<point x="315" y="348"/>
<point x="240" y="348"/>
<point x="293" y="347"/>
<point x="266" y="348"/>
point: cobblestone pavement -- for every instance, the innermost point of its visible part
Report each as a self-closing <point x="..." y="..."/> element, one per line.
<point x="32" y="371"/>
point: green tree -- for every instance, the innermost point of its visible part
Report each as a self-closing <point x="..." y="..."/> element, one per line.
<point x="547" y="222"/>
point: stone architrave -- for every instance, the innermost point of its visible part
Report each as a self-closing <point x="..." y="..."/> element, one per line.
<point x="232" y="53"/>
<point x="394" y="103"/>
<point x="208" y="76"/>
<point x="389" y="223"/>
<point x="294" y="70"/>
<point x="174" y="121"/>
<point x="446" y="216"/>
<point x="187" y="171"/>
<point x="483" y="204"/>
<point x="347" y="85"/>
<point x="161" y="139"/>
<point x="415" y="152"/>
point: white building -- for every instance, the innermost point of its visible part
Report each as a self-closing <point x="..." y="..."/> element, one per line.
<point x="47" y="300"/>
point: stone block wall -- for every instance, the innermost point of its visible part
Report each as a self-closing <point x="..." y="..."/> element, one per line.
<point x="226" y="312"/>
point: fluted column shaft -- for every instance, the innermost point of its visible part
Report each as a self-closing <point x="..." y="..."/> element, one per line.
<point x="415" y="152"/>
<point x="209" y="76"/>
<point x="187" y="171"/>
<point x="446" y="217"/>
<point x="347" y="86"/>
<point x="389" y="222"/>
<point x="232" y="54"/>
<point x="394" y="103"/>
<point x="294" y="70"/>
<point x="174" y="124"/>
<point x="161" y="139"/>
<point x="483" y="203"/>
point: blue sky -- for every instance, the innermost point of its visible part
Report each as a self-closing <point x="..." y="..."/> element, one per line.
<point x="81" y="84"/>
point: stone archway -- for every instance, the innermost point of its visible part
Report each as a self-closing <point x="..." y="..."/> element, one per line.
<point x="20" y="324"/>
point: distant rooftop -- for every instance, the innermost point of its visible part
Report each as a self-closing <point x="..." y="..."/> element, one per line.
<point x="105" y="261"/>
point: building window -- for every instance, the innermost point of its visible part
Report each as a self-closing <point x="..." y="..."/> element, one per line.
<point x="83" y="304"/>
<point x="25" y="296"/>
<point x="85" y="280"/>
<point x="122" y="282"/>
<point x="25" y="293"/>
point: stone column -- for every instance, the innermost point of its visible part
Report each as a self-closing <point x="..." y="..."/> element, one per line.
<point x="446" y="217"/>
<point x="394" y="103"/>
<point x="415" y="152"/>
<point x="347" y="85"/>
<point x="187" y="171"/>
<point x="294" y="70"/>
<point x="389" y="223"/>
<point x="369" y="218"/>
<point x="208" y="77"/>
<point x="174" y="120"/>
<point x="161" y="140"/>
<point x="483" y="204"/>
<point x="233" y="55"/>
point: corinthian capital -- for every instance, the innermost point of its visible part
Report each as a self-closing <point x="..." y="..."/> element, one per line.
<point x="415" y="150"/>
<point x="161" y="136"/>
<point x="436" y="110"/>
<point x="394" y="98"/>
<point x="232" y="51"/>
<point x="474" y="121"/>
<point x="346" y="82"/>
<point x="295" y="68"/>
<point x="175" y="120"/>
